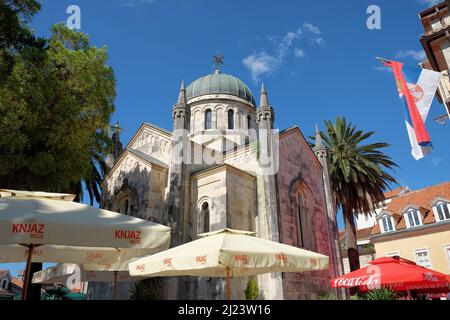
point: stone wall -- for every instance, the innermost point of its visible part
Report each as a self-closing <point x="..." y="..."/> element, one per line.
<point x="300" y="183"/>
<point x="137" y="185"/>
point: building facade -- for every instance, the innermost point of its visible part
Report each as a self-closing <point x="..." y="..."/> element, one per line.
<point x="436" y="43"/>
<point x="416" y="226"/>
<point x="10" y="286"/>
<point x="224" y="166"/>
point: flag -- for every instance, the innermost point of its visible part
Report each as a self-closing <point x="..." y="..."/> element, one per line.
<point x="416" y="88"/>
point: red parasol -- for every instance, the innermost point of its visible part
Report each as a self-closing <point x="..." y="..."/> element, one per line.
<point x="395" y="273"/>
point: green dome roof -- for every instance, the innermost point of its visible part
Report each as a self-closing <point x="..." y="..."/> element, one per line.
<point x="219" y="83"/>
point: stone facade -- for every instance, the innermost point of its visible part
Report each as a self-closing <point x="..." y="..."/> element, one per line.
<point x="223" y="182"/>
<point x="304" y="221"/>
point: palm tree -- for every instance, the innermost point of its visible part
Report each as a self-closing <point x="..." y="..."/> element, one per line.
<point x="358" y="175"/>
<point x="93" y="178"/>
<point x="92" y="181"/>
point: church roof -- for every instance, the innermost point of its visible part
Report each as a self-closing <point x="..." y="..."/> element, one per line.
<point x="219" y="83"/>
<point x="147" y="158"/>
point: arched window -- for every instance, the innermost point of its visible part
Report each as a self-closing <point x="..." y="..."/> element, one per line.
<point x="203" y="219"/>
<point x="301" y="227"/>
<point x="230" y="119"/>
<point x="249" y="122"/>
<point x="301" y="210"/>
<point x="208" y="119"/>
<point x="126" y="207"/>
<point x="205" y="213"/>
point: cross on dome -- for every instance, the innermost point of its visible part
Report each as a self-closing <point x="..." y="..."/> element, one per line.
<point x="218" y="61"/>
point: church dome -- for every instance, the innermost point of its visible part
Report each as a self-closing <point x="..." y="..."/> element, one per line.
<point x="219" y="83"/>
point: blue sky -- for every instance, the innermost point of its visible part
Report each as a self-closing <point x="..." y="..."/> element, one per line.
<point x="317" y="59"/>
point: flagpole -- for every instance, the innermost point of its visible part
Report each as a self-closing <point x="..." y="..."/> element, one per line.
<point x="382" y="60"/>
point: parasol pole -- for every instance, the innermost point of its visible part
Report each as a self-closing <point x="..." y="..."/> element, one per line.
<point x="228" y="284"/>
<point x="27" y="271"/>
<point x="115" y="286"/>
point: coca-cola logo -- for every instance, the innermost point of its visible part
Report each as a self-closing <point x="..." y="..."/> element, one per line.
<point x="430" y="277"/>
<point x="369" y="280"/>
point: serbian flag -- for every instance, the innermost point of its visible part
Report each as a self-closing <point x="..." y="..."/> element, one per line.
<point x="416" y="88"/>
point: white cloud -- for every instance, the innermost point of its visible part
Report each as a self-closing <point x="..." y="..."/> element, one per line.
<point x="416" y="55"/>
<point x="320" y="41"/>
<point x="383" y="68"/>
<point x="436" y="161"/>
<point x="260" y="64"/>
<point x="429" y="2"/>
<point x="311" y="28"/>
<point x="299" y="53"/>
<point x="264" y="63"/>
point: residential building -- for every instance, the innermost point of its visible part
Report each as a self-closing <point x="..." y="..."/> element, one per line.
<point x="416" y="226"/>
<point x="436" y="43"/>
<point x="9" y="286"/>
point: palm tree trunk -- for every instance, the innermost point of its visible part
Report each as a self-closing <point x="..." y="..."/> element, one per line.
<point x="351" y="241"/>
<point x="352" y="245"/>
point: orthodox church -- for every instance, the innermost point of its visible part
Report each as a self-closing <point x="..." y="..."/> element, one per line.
<point x="223" y="165"/>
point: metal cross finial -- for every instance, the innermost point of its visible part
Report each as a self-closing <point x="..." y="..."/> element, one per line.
<point x="117" y="128"/>
<point x="218" y="60"/>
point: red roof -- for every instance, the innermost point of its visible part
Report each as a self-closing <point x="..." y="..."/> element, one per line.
<point x="421" y="199"/>
<point x="395" y="192"/>
<point x="362" y="234"/>
<point x="18" y="282"/>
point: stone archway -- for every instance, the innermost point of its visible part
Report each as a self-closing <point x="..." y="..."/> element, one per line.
<point x="203" y="216"/>
<point x="126" y="200"/>
<point x="302" y="204"/>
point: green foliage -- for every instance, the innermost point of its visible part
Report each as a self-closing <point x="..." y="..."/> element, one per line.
<point x="358" y="173"/>
<point x="357" y="170"/>
<point x="327" y="296"/>
<point x="148" y="289"/>
<point x="381" y="294"/>
<point x="252" y="290"/>
<point x="55" y="109"/>
<point x="356" y="297"/>
<point x="14" y="32"/>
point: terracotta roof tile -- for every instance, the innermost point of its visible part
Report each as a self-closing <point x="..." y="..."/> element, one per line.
<point x="376" y="229"/>
<point x="18" y="282"/>
<point x="429" y="218"/>
<point x="395" y="192"/>
<point x="422" y="199"/>
<point x="401" y="225"/>
<point x="362" y="234"/>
